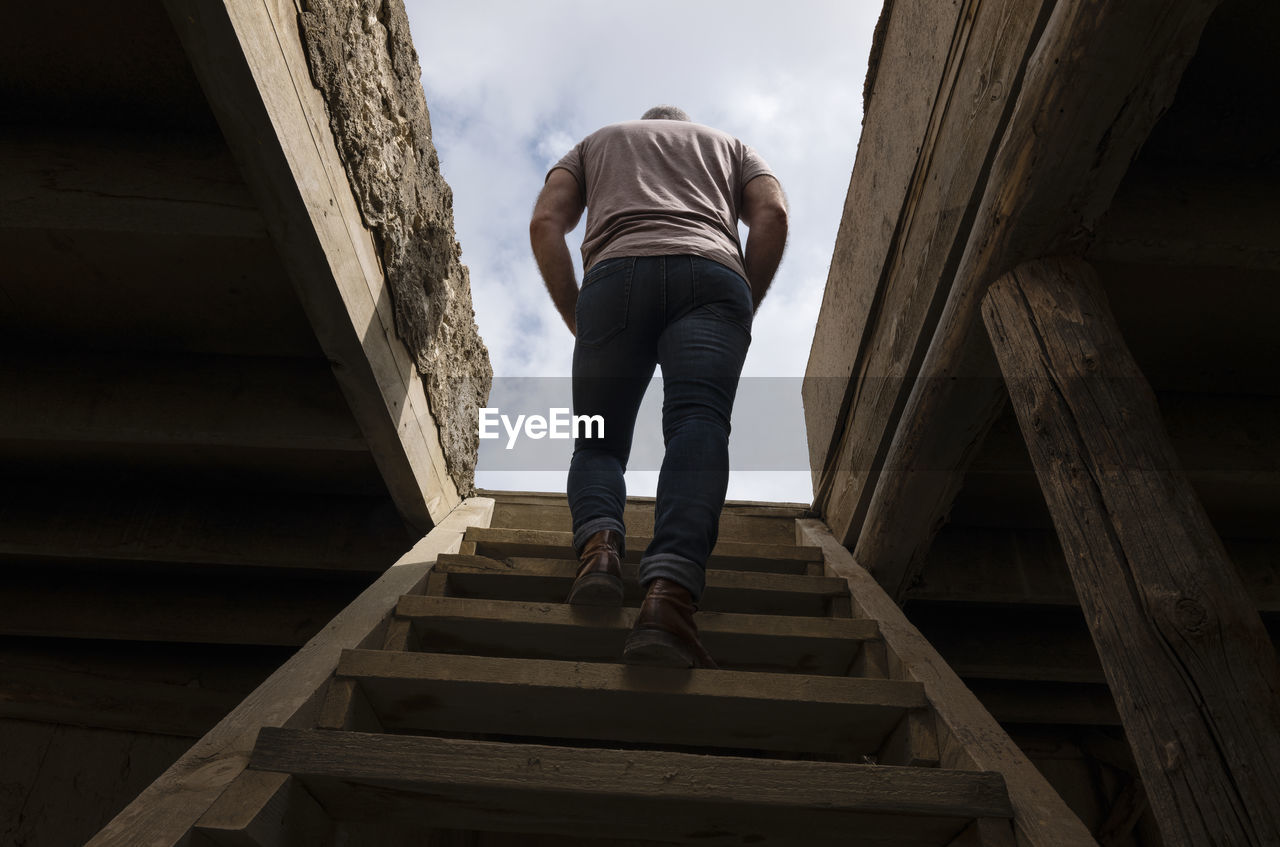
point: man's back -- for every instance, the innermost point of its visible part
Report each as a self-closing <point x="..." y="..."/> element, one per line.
<point x="655" y="187"/>
<point x="666" y="284"/>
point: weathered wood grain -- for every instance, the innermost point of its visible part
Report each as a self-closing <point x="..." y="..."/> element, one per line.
<point x="776" y="643"/>
<point x="978" y="89"/>
<point x="746" y="521"/>
<point x="1101" y="75"/>
<point x="919" y="41"/>
<point x="250" y="63"/>
<point x="968" y="736"/>
<point x="504" y="543"/>
<point x="435" y="692"/>
<point x="548" y="581"/>
<point x="627" y="793"/>
<point x="1193" y="671"/>
<point x="162" y="814"/>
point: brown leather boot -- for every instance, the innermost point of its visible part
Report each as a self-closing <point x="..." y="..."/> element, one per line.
<point x="664" y="633"/>
<point x="599" y="580"/>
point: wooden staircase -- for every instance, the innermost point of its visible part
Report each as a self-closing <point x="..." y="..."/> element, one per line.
<point x="482" y="710"/>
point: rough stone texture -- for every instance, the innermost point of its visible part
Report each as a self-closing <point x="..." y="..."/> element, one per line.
<point x="362" y="60"/>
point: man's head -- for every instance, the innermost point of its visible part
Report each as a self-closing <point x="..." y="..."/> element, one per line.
<point x="665" y="113"/>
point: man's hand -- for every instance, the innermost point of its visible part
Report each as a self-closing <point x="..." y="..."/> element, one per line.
<point x="555" y="214"/>
<point x="764" y="211"/>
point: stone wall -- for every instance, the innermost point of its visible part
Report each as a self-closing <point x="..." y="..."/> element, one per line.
<point x="362" y="59"/>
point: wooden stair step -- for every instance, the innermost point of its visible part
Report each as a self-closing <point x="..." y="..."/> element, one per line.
<point x="548" y="581"/>
<point x="501" y="543"/>
<point x="671" y="797"/>
<point x="777" y="643"/>
<point x="436" y="692"/>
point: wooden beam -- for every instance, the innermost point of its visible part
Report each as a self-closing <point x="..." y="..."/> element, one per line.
<point x="1101" y="75"/>
<point x="969" y="738"/>
<point x="169" y="525"/>
<point x="251" y="65"/>
<point x="175" y="401"/>
<point x="437" y="692"/>
<point x="1193" y="671"/>
<point x="775" y="643"/>
<point x="978" y="88"/>
<point x="502" y="543"/>
<point x="124" y="182"/>
<point x="162" y="815"/>
<point x="1216" y="218"/>
<point x="988" y="566"/>
<point x="86" y="290"/>
<point x="152" y="688"/>
<point x="627" y="793"/>
<point x="1057" y="703"/>
<point x="61" y="783"/>
<point x="549" y="580"/>
<point x="209" y="608"/>
<point x="741" y="520"/>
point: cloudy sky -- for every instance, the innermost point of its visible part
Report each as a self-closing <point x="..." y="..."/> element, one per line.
<point x="512" y="85"/>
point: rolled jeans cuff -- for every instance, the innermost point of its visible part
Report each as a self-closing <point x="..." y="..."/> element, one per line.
<point x="685" y="572"/>
<point x="594" y="525"/>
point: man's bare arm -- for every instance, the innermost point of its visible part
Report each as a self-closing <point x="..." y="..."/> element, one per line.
<point x="556" y="213"/>
<point x="764" y="211"/>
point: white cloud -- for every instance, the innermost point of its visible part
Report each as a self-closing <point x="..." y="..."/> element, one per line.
<point x="513" y="85"/>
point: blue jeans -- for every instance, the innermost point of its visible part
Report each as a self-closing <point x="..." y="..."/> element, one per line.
<point x="692" y="316"/>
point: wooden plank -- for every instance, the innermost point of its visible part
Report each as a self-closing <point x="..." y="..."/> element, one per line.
<point x="61" y="783"/>
<point x="250" y="63"/>
<point x="1173" y="623"/>
<point x="913" y="743"/>
<point x="968" y="736"/>
<point x="254" y="529"/>
<point x="627" y="793"/>
<point x="986" y="832"/>
<point x="1060" y="704"/>
<point x="984" y="565"/>
<point x="777" y="643"/>
<point x="743" y="521"/>
<point x="503" y="543"/>
<point x="918" y="41"/>
<point x="978" y="90"/>
<point x="165" y="689"/>
<point x="1100" y="77"/>
<point x="613" y="702"/>
<point x="222" y="609"/>
<point x="123" y="182"/>
<point x="123" y="291"/>
<point x="289" y="818"/>
<point x="346" y="708"/>
<point x="548" y="581"/>
<point x="1218" y="218"/>
<point x="1011" y="642"/>
<point x="162" y="814"/>
<point x="173" y="401"/>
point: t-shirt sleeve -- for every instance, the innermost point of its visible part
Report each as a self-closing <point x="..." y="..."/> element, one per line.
<point x="572" y="162"/>
<point x="752" y="166"/>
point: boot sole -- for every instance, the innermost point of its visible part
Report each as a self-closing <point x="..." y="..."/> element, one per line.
<point x="658" y="649"/>
<point x="596" y="589"/>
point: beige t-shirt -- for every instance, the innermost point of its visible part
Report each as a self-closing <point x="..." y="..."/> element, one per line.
<point x="657" y="187"/>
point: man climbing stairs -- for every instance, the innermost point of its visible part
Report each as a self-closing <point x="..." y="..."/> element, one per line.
<point x="482" y="710"/>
